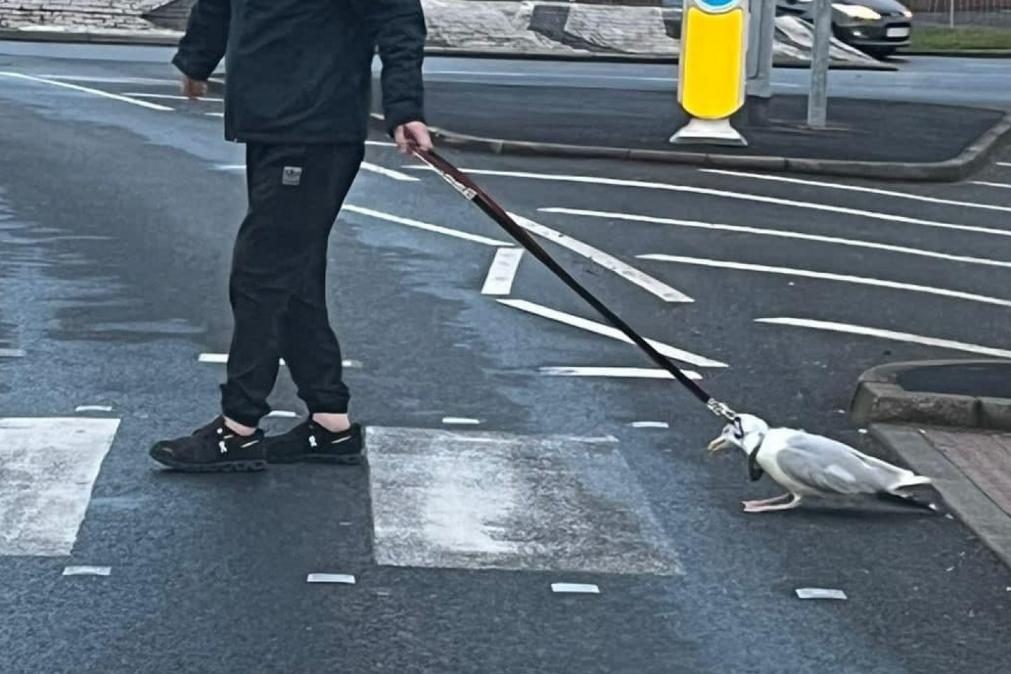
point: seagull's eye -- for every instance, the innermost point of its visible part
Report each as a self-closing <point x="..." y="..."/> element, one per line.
<point x="738" y="429"/>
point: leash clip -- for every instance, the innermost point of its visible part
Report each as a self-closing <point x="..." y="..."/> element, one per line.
<point x="721" y="409"/>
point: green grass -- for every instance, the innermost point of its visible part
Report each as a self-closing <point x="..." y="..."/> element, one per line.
<point x="960" y="37"/>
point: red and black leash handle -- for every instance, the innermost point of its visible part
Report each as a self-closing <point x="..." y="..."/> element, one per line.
<point x="469" y="189"/>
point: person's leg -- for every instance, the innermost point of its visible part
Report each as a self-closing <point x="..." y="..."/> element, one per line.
<point x="279" y="234"/>
<point x="308" y="343"/>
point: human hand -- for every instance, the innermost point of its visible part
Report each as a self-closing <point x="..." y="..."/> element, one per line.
<point x="192" y="88"/>
<point x="412" y="135"/>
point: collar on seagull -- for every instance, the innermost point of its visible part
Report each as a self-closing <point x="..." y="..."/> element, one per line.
<point x="755" y="471"/>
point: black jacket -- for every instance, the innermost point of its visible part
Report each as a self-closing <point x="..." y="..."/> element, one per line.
<point x="300" y="71"/>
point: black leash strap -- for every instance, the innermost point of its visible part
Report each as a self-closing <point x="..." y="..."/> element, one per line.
<point x="469" y="189"/>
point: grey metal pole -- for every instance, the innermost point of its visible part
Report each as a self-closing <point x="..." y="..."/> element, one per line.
<point x="817" y="100"/>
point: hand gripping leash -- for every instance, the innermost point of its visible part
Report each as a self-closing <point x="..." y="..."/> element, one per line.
<point x="469" y="189"/>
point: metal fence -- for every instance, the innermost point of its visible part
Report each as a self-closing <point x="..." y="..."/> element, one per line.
<point x="984" y="13"/>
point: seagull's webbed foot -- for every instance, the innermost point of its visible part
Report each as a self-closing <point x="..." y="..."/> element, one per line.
<point x="772" y="505"/>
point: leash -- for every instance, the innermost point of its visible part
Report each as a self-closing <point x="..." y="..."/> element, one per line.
<point x="470" y="190"/>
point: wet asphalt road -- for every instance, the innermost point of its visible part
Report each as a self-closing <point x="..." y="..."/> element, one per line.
<point x="115" y="230"/>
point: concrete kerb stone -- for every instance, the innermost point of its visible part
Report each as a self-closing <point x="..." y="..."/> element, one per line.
<point x="950" y="170"/>
<point x="880" y="399"/>
<point x="906" y="445"/>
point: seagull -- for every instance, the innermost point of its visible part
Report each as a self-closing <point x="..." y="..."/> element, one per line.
<point x="813" y="465"/>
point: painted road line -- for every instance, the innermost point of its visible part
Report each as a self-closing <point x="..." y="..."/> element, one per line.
<point x="650" y="424"/>
<point x="502" y="272"/>
<point x="215" y="114"/>
<point x="87" y="571"/>
<point x="574" y="588"/>
<point x="739" y="196"/>
<point x="283" y="414"/>
<point x="451" y="499"/>
<point x="618" y="372"/>
<point x="819" y="593"/>
<point x="892" y="335"/>
<point x="608" y="262"/>
<point x="608" y="331"/>
<point x="338" y="578"/>
<point x="389" y="173"/>
<point x="855" y="188"/>
<point x="460" y="421"/>
<point x="417" y="224"/>
<point x="12" y="353"/>
<point x="93" y="408"/>
<point x="1003" y="186"/>
<point x="87" y="90"/>
<point x="109" y="80"/>
<point x="825" y="276"/>
<point x="49" y="467"/>
<point x="380" y="143"/>
<point x="174" y="97"/>
<point x="759" y="231"/>
<point x="1005" y="164"/>
<point x="222" y="359"/>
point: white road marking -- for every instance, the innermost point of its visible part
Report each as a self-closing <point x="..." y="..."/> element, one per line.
<point x="87" y="90"/>
<point x="216" y="114"/>
<point x="619" y="372"/>
<point x="608" y="331"/>
<point x="759" y="231"/>
<point x="856" y="188"/>
<point x="417" y="224"/>
<point x="380" y="143"/>
<point x="283" y="414"/>
<point x="739" y="196"/>
<point x="452" y="499"/>
<point x="87" y="571"/>
<point x="1006" y="164"/>
<point x="49" y="467"/>
<point x="93" y="408"/>
<point x="819" y="593"/>
<point x="650" y="424"/>
<point x="109" y="80"/>
<point x="222" y="359"/>
<point x="844" y="278"/>
<point x="605" y="260"/>
<point x="174" y="97"/>
<point x="499" y="280"/>
<point x="339" y="578"/>
<point x="388" y="173"/>
<point x="574" y="588"/>
<point x="460" y="421"/>
<point x="892" y="335"/>
<point x="1003" y="186"/>
<point x="231" y="167"/>
<point x="12" y="353"/>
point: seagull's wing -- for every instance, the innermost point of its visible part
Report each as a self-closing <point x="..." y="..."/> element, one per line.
<point x="831" y="467"/>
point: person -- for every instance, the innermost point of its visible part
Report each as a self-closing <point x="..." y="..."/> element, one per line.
<point x="297" y="94"/>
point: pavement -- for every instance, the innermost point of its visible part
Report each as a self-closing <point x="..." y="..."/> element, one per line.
<point x="557" y="455"/>
<point x="638" y="124"/>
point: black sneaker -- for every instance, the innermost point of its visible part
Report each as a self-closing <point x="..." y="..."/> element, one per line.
<point x="312" y="443"/>
<point x="215" y="448"/>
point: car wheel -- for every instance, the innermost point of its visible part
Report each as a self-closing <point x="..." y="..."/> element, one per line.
<point x="879" y="52"/>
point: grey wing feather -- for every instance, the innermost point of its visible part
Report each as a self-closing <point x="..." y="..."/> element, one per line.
<point x="829" y="466"/>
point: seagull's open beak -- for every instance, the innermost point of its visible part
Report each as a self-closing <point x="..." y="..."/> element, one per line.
<point x="718" y="444"/>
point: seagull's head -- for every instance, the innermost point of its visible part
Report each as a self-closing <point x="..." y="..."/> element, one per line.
<point x="745" y="432"/>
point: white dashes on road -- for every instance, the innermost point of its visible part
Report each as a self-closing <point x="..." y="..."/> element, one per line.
<point x="460" y="421"/>
<point x="726" y="194"/>
<point x="174" y="97"/>
<point x="87" y="571"/>
<point x="12" y="353"/>
<point x="499" y="281"/>
<point x="785" y="234"/>
<point x="857" y="188"/>
<point x="984" y="183"/>
<point x="222" y="359"/>
<point x="608" y="331"/>
<point x="428" y="227"/>
<point x="605" y="260"/>
<point x="93" y="408"/>
<point x="650" y="424"/>
<point x="575" y="588"/>
<point x="88" y="90"/>
<point x="825" y="276"/>
<point x="892" y="335"/>
<point x="388" y="173"/>
<point x="453" y="499"/>
<point x="336" y="578"/>
<point x="617" y="372"/>
<point x="47" y="469"/>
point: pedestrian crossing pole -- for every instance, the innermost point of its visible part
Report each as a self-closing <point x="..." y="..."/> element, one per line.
<point x="712" y="72"/>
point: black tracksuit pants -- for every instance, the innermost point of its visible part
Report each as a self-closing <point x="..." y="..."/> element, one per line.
<point x="277" y="286"/>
